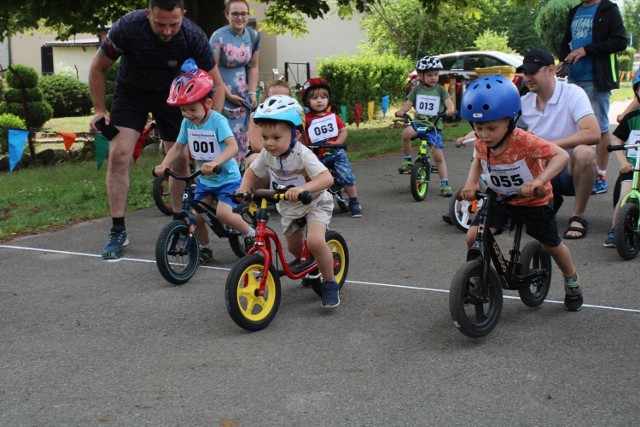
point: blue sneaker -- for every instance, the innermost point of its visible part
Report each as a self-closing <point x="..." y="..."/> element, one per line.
<point x="356" y="210"/>
<point x="600" y="186"/>
<point x="117" y="241"/>
<point x="330" y="294"/>
<point x="611" y="239"/>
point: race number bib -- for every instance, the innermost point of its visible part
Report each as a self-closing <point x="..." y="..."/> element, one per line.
<point x="427" y="105"/>
<point x="634" y="138"/>
<point x="203" y="144"/>
<point x="286" y="181"/>
<point x="507" y="179"/>
<point x="323" y="128"/>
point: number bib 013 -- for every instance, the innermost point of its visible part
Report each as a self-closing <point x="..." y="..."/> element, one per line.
<point x="427" y="105"/>
<point x="507" y="179"/>
<point x="203" y="144"/>
<point x="323" y="128"/>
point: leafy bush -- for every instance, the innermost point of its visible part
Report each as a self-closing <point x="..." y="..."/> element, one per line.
<point x="363" y="78"/>
<point x="24" y="80"/>
<point x="21" y="77"/>
<point x="8" y="121"/>
<point x="551" y="22"/>
<point x="67" y="96"/>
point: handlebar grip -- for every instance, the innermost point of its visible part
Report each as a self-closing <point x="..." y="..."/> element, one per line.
<point x="615" y="148"/>
<point x="305" y="197"/>
<point x="217" y="170"/>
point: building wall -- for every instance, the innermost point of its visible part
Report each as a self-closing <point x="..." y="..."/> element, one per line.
<point x="76" y="58"/>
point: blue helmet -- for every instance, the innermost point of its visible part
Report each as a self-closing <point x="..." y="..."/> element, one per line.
<point x="280" y="107"/>
<point x="490" y="98"/>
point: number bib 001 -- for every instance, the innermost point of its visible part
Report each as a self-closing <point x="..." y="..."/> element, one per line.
<point x="323" y="128"/>
<point x="203" y="144"/>
<point x="507" y="179"/>
<point x="427" y="105"/>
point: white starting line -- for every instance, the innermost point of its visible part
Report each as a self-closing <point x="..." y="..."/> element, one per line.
<point x="356" y="282"/>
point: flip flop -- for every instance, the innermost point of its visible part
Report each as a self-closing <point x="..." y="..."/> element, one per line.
<point x="582" y="230"/>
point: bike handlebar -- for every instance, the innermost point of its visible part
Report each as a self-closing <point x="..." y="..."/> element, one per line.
<point x="273" y="195"/>
<point x="406" y="118"/>
<point x="622" y="147"/>
<point x="538" y="192"/>
<point x="169" y="172"/>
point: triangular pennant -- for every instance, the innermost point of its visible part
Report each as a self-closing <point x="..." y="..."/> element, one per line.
<point x="370" y="108"/>
<point x="69" y="138"/>
<point x="385" y="105"/>
<point x="358" y="114"/>
<point x="17" y="139"/>
<point x="343" y="113"/>
<point x="102" y="148"/>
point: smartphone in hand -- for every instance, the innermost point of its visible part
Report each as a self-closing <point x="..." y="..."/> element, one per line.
<point x="109" y="131"/>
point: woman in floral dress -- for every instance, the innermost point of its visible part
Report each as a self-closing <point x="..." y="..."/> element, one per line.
<point x="236" y="51"/>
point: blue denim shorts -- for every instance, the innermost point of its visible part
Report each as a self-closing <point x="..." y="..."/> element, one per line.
<point x="600" y="100"/>
<point x="222" y="193"/>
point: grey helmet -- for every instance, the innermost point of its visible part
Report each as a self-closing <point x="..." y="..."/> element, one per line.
<point x="428" y="63"/>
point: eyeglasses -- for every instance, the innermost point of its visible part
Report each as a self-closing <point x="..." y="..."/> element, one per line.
<point x="239" y="14"/>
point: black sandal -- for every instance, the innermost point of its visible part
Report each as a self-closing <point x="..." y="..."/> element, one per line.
<point x="582" y="230"/>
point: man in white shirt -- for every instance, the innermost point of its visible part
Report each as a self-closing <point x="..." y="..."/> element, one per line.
<point x="561" y="112"/>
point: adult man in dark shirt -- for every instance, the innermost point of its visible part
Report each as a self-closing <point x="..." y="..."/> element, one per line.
<point x="151" y="44"/>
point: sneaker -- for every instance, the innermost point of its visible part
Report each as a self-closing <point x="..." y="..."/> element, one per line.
<point x="113" y="248"/>
<point x="600" y="186"/>
<point x="573" y="294"/>
<point x="206" y="256"/>
<point x="445" y="191"/>
<point x="356" y="210"/>
<point x="406" y="167"/>
<point x="330" y="294"/>
<point x="611" y="239"/>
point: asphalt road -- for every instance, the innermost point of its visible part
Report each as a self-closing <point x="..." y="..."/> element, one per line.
<point x="89" y="342"/>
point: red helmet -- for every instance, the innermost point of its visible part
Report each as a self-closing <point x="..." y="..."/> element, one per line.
<point x="189" y="87"/>
<point x="314" y="83"/>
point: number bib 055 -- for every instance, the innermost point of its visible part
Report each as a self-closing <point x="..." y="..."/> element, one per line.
<point x="507" y="179"/>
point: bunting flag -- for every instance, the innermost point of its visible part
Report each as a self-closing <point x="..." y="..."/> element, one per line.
<point x="102" y="148"/>
<point x="69" y="138"/>
<point x="370" y="108"/>
<point x="385" y="105"/>
<point x="358" y="114"/>
<point x="343" y="113"/>
<point x="17" y="139"/>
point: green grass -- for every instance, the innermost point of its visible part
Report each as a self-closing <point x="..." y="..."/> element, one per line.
<point x="623" y="94"/>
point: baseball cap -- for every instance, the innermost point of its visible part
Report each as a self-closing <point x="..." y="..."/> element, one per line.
<point x="534" y="60"/>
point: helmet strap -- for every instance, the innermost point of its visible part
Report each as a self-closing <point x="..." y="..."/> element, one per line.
<point x="291" y="145"/>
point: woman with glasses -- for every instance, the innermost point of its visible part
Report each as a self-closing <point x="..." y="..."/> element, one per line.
<point x="236" y="51"/>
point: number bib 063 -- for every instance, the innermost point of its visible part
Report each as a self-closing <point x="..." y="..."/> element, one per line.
<point x="507" y="179"/>
<point x="323" y="128"/>
<point x="203" y="144"/>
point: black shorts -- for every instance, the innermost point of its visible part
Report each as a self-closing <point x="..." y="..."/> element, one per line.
<point x="540" y="221"/>
<point x="131" y="108"/>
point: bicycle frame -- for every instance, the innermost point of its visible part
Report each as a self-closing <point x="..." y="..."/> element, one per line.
<point x="266" y="237"/>
<point x="486" y="246"/>
<point x="634" y="194"/>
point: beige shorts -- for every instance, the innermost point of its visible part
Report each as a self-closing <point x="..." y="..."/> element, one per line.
<point x="319" y="210"/>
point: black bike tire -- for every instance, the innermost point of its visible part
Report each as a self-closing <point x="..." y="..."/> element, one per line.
<point x="455" y="219"/>
<point x="243" y="269"/>
<point x="533" y="257"/>
<point x="158" y="194"/>
<point x="237" y="244"/>
<point x="459" y="293"/>
<point x="165" y="266"/>
<point x="627" y="232"/>
<point x="340" y="251"/>
<point x="341" y="200"/>
<point x="420" y="172"/>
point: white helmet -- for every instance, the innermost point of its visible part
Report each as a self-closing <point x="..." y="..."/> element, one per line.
<point x="428" y="63"/>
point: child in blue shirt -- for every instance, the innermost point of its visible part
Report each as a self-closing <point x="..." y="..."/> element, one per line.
<point x="211" y="143"/>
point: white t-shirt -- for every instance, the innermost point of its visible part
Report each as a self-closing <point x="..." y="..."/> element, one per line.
<point x="559" y="117"/>
<point x="300" y="166"/>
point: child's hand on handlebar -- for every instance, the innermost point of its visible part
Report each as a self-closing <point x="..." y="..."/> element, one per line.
<point x="159" y="170"/>
<point x="532" y="189"/>
<point x="208" y="168"/>
<point x="468" y="192"/>
<point x="293" y="193"/>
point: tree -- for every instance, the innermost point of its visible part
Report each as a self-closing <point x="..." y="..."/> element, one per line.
<point x="551" y="23"/>
<point x="631" y="17"/>
<point x="282" y="16"/>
